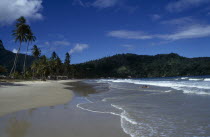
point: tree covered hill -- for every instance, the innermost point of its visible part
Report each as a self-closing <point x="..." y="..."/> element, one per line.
<point x="136" y="66"/>
<point x="124" y="65"/>
<point x="7" y="58"/>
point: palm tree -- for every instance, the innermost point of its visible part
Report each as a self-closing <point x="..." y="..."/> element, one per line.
<point x="53" y="56"/>
<point x="58" y="64"/>
<point x="43" y="67"/>
<point x="67" y="64"/>
<point x="67" y="59"/>
<point x="20" y="34"/>
<point x="36" y="52"/>
<point x="53" y="64"/>
<point x="30" y="38"/>
<point x="34" y="67"/>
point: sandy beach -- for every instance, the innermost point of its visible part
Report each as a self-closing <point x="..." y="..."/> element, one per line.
<point x="26" y="108"/>
<point x="32" y="94"/>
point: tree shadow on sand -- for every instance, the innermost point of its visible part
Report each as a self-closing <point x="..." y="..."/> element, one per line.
<point x="10" y="84"/>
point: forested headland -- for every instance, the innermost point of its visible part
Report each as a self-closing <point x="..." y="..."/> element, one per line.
<point x="139" y="66"/>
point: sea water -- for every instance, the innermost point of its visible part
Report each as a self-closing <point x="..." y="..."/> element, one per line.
<point x="178" y="106"/>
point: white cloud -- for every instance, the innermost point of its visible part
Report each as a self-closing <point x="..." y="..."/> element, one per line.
<point x="78" y="48"/>
<point x="180" y="21"/>
<point x="47" y="43"/>
<point x="10" y="10"/>
<point x="80" y="3"/>
<point x="127" y="34"/>
<point x="128" y="46"/>
<point x="14" y="50"/>
<point x="61" y="43"/>
<point x="105" y="3"/>
<point x="194" y="31"/>
<point x="101" y="4"/>
<point x="57" y="43"/>
<point x="155" y="17"/>
<point x="181" y="5"/>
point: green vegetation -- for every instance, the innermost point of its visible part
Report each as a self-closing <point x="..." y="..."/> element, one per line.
<point x="39" y="67"/>
<point x="36" y="52"/>
<point x="137" y="66"/>
<point x="2" y="69"/>
<point x="118" y="66"/>
<point x="22" y="33"/>
<point x="7" y="60"/>
<point x="53" y="67"/>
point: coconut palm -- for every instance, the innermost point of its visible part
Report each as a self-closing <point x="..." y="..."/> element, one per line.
<point x="36" y="52"/>
<point x="20" y="34"/>
<point x="42" y="68"/>
<point x="58" y="64"/>
<point x="67" y="64"/>
<point x="67" y="59"/>
<point x="30" y="38"/>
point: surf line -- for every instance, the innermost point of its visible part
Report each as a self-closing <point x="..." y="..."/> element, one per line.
<point x="122" y="115"/>
<point x="90" y="102"/>
<point x="123" y="111"/>
<point x="135" y="89"/>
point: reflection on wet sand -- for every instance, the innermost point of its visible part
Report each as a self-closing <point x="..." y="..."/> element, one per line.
<point x="17" y="128"/>
<point x="65" y="120"/>
<point x="81" y="89"/>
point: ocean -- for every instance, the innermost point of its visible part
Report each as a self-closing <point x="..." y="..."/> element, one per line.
<point x="176" y="106"/>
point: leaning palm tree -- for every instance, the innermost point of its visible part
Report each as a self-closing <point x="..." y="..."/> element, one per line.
<point x="20" y="34"/>
<point x="30" y="38"/>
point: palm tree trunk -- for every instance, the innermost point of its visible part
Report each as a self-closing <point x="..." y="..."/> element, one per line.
<point x="24" y="66"/>
<point x="15" y="61"/>
<point x="13" y="64"/>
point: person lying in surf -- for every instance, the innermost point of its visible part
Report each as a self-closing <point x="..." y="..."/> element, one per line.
<point x="145" y="86"/>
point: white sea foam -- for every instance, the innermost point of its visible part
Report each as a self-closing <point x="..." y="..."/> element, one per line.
<point x="168" y="91"/>
<point x="192" y="87"/>
<point x="207" y="79"/>
<point x="194" y="79"/>
<point x="79" y="106"/>
<point x="184" y="77"/>
<point x="133" y="128"/>
<point x="105" y="99"/>
<point x="125" y="119"/>
<point x="124" y="115"/>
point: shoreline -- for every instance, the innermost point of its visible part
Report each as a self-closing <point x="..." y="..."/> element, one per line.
<point x="64" y="120"/>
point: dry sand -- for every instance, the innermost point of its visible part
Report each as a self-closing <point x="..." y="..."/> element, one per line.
<point x="32" y="94"/>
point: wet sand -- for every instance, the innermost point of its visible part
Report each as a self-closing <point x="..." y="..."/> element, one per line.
<point x="61" y="120"/>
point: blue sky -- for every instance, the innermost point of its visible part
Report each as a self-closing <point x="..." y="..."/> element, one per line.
<point x="92" y="29"/>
